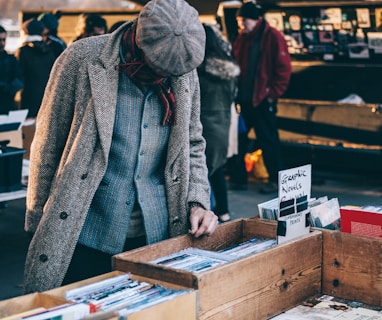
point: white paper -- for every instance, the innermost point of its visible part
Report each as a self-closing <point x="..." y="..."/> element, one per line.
<point x="294" y="184"/>
<point x="15" y="116"/>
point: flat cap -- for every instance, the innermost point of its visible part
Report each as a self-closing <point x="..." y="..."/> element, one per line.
<point x="171" y="36"/>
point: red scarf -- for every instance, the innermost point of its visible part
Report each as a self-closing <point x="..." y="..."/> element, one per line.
<point x="138" y="71"/>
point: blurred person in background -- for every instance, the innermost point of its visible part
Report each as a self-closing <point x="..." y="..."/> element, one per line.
<point x="116" y="25"/>
<point x="36" y="59"/>
<point x="51" y="23"/>
<point x="10" y="82"/>
<point x="218" y="76"/>
<point x="265" y="64"/>
<point x="10" y="76"/>
<point x="90" y="24"/>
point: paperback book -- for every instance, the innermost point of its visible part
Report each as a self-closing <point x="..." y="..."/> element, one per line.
<point x="68" y="311"/>
<point x="197" y="260"/>
<point x="325" y="213"/>
<point x="120" y="295"/>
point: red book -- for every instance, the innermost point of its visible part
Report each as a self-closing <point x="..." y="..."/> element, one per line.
<point x="364" y="221"/>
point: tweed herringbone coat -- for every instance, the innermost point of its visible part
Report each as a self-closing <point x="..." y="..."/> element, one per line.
<point x="69" y="154"/>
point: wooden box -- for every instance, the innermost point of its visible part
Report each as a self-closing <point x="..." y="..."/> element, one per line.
<point x="181" y="307"/>
<point x="29" y="302"/>
<point x="253" y="287"/>
<point x="352" y="267"/>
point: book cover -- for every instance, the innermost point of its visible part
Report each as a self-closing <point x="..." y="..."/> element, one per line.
<point x="326" y="214"/>
<point x="362" y="220"/>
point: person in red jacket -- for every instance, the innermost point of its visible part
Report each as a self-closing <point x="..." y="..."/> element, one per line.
<point x="262" y="53"/>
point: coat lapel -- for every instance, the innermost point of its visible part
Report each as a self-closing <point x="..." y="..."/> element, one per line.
<point x="104" y="77"/>
<point x="178" y="132"/>
<point x="104" y="87"/>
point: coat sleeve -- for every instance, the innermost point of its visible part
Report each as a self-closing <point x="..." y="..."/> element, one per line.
<point x="199" y="190"/>
<point x="52" y="127"/>
<point x="282" y="69"/>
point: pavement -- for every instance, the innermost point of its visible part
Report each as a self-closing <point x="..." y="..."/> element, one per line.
<point x="350" y="189"/>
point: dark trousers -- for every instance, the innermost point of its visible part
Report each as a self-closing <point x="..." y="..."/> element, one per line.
<point x="87" y="262"/>
<point x="264" y="122"/>
<point x="219" y="188"/>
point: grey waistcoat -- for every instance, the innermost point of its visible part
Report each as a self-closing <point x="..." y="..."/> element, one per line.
<point x="134" y="173"/>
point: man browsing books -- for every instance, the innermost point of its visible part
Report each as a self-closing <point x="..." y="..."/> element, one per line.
<point x="118" y="158"/>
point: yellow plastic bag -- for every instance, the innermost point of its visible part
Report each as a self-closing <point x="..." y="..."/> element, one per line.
<point x="254" y="164"/>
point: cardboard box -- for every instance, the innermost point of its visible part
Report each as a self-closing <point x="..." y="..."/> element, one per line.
<point x="352" y="267"/>
<point x="28" y="302"/>
<point x="28" y="131"/>
<point x="364" y="221"/>
<point x="15" y="138"/>
<point x="181" y="307"/>
<point x="11" y="162"/>
<point x="253" y="287"/>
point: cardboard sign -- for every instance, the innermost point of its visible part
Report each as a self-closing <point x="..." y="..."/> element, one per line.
<point x="294" y="194"/>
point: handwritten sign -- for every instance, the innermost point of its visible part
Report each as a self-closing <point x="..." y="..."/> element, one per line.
<point x="295" y="183"/>
<point x="294" y="193"/>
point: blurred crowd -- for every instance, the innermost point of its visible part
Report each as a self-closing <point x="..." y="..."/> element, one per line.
<point x="26" y="71"/>
<point x="241" y="79"/>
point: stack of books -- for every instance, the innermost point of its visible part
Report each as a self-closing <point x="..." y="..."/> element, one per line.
<point x="120" y="296"/>
<point x="197" y="260"/>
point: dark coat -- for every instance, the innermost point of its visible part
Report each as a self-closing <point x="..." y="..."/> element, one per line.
<point x="10" y="81"/>
<point x="218" y="82"/>
<point x="274" y="66"/>
<point x="36" y="59"/>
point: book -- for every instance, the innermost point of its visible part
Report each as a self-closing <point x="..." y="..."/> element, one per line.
<point x="251" y="246"/>
<point x="192" y="259"/>
<point x="197" y="260"/>
<point x="120" y="295"/>
<point x="325" y="213"/>
<point x="362" y="220"/>
<point x="25" y="314"/>
<point x="269" y="209"/>
<point x="69" y="311"/>
<point x="106" y="293"/>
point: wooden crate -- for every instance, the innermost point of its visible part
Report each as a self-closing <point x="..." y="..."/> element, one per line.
<point x="352" y="267"/>
<point x="254" y="287"/>
<point x="29" y="302"/>
<point x="181" y="307"/>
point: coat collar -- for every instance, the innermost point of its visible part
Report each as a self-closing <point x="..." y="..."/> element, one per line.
<point x="104" y="76"/>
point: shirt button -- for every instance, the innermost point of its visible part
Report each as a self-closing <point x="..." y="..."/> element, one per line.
<point x="63" y="215"/>
<point x="141" y="153"/>
<point x="145" y="125"/>
<point x="43" y="258"/>
<point x="84" y="176"/>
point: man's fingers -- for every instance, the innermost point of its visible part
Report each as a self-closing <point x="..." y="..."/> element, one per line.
<point x="203" y="222"/>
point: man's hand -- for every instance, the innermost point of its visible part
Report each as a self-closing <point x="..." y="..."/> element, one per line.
<point x="203" y="222"/>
